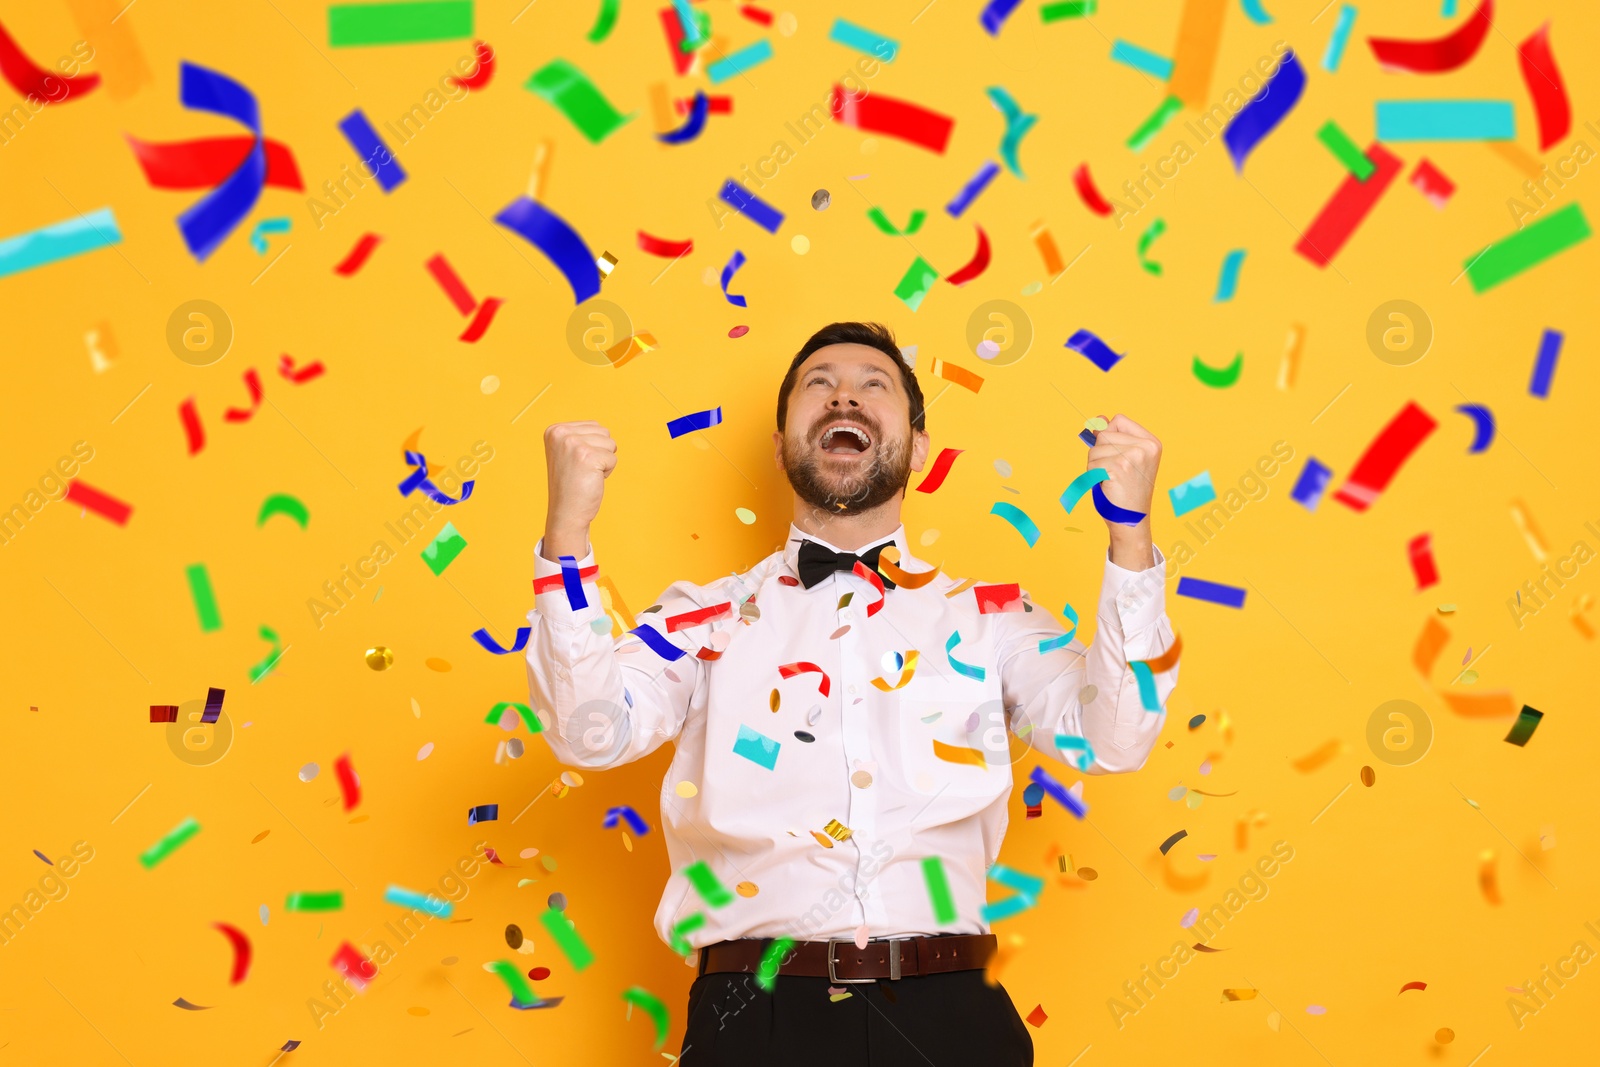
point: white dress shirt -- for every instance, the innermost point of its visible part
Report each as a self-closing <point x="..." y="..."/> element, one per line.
<point x="870" y="763"/>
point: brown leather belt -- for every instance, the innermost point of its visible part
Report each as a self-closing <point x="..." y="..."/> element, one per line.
<point x="841" y="962"/>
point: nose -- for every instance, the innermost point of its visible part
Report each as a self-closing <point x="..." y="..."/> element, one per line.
<point x="837" y="400"/>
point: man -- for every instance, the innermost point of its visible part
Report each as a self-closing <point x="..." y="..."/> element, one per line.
<point x="840" y="714"/>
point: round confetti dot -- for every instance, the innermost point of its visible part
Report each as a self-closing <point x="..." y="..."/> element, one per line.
<point x="1194" y="723"/>
<point x="747" y="889"/>
<point x="787" y="24"/>
<point x="539" y="974"/>
<point x="572" y="778"/>
<point x="1088" y="874"/>
<point x="928" y="537"/>
<point x="1087" y="694"/>
<point x="1190" y="917"/>
<point x="892" y="661"/>
<point x="1445" y="1035"/>
<point x="869" y="145"/>
<point x="1368" y="776"/>
<point x="1316" y="1009"/>
<point x="558" y="901"/>
<point x="1194" y="800"/>
<point x="627" y="842"/>
<point x="309" y="771"/>
<point x="489" y="384"/>
<point x="359" y="818"/>
<point x="803" y="736"/>
<point x="745" y="515"/>
<point x="437" y="664"/>
<point x="701" y="443"/>
<point x="416" y="1011"/>
<point x="840" y="632"/>
<point x="1177" y="791"/>
<point x="380" y="658"/>
<point x="514" y="935"/>
<point x="1031" y="288"/>
<point x="425" y="751"/>
<point x="988" y="350"/>
<point x="528" y="853"/>
<point x="775" y="701"/>
<point x="686" y="789"/>
<point x="548" y="863"/>
<point x="600" y="626"/>
<point x="1205" y="768"/>
<point x="750" y="611"/>
<point x="514" y="748"/>
<point x="822" y="839"/>
<point x="1002" y="468"/>
<point x="821" y="199"/>
<point x="709" y="276"/>
<point x="416" y="709"/>
<point x="450" y="961"/>
<point x="259" y="837"/>
<point x="861" y="780"/>
<point x="800" y="243"/>
<point x="265" y="914"/>
<point x="738" y="331"/>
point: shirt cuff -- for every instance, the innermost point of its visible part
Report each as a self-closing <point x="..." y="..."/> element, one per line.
<point x="1138" y="599"/>
<point x="550" y="594"/>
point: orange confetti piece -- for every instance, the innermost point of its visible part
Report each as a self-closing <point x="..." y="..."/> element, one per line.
<point x="956" y="375"/>
<point x="1318" y="756"/>
<point x="1487" y="881"/>
<point x="959" y="754"/>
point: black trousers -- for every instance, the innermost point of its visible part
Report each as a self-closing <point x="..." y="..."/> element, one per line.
<point x="950" y="1019"/>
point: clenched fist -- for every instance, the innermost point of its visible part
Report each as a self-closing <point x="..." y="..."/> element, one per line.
<point x="579" y="456"/>
<point x="1130" y="454"/>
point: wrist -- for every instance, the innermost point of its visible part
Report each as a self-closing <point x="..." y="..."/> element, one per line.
<point x="1132" y="548"/>
<point x="566" y="541"/>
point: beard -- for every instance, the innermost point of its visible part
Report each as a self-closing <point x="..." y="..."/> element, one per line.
<point x="847" y="491"/>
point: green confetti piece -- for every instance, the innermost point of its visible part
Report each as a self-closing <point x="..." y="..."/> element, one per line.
<point x="914" y="284"/>
<point x="705" y="882"/>
<point x="1528" y="247"/>
<point x="1148" y="238"/>
<point x="944" y="907"/>
<point x="653" y="1006"/>
<point x="443" y="549"/>
<point x="604" y="21"/>
<point x="354" y="25"/>
<point x="680" y="944"/>
<point x="569" y="90"/>
<point x="1219" y="377"/>
<point x="881" y="221"/>
<point x="283" y="504"/>
<point x="205" y="601"/>
<point x="168" y="844"/>
<point x="333" y="901"/>
<point x="1071" y="9"/>
<point x="567" y="939"/>
<point x="1345" y="150"/>
<point x="529" y="719"/>
<point x="1152" y="125"/>
<point x="702" y="37"/>
<point x="771" y="960"/>
<point x="1527" y="721"/>
<point x="521" y="991"/>
<point x="262" y="669"/>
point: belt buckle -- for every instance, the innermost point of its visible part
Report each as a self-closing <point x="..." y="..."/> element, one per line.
<point x="833" y="975"/>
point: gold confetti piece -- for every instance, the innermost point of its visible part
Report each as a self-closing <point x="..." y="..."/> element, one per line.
<point x="1291" y="356"/>
<point x="380" y="658"/>
<point x="1004" y="954"/>
<point x="1256" y="819"/>
<point x="627" y="842"/>
<point x="836" y="997"/>
<point x="1446" y="609"/>
<point x="1530" y="530"/>
<point x="1238" y="994"/>
<point x="1368" y="776"/>
<point x="538" y="180"/>
<point x="260" y="836"/>
<point x="436" y="664"/>
<point x="638" y="344"/>
<point x="1275" y="1022"/>
<point x="1445" y="1035"/>
<point x="686" y="789"/>
<point x="416" y="709"/>
<point x="607" y="263"/>
<point x="774" y="700"/>
<point x="1088" y="874"/>
<point x="747" y="889"/>
<point x="837" y="830"/>
<point x="822" y="839"/>
<point x="1578" y="611"/>
<point x="1318" y="756"/>
<point x="1486" y="876"/>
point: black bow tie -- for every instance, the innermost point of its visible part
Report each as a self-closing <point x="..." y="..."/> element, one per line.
<point x="818" y="561"/>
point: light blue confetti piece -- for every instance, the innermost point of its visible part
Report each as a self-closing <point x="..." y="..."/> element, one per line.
<point x="1228" y="279"/>
<point x="1255" y="12"/>
<point x="1157" y="66"/>
<point x="756" y="747"/>
<point x="1194" y="493"/>
<point x="1005" y="909"/>
<point x="1026" y="884"/>
<point x="739" y="62"/>
<point x="98" y="229"/>
<point x="1445" y="120"/>
<point x="410" y="898"/>
<point x="864" y="40"/>
<point x="1341" y="37"/>
<point x="1449" y="9"/>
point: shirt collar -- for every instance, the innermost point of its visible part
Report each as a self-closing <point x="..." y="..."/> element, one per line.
<point x="791" y="548"/>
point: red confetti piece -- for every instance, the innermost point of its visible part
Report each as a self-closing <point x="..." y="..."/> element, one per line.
<point x="1549" y="94"/>
<point x="941" y="468"/>
<point x="28" y="79"/>
<point x="552" y="583"/>
<point x="738" y="331"/>
<point x="1412" y="985"/>
<point x="681" y="60"/>
<point x="892" y="118"/>
<point x="347" y="782"/>
<point x="1431" y="182"/>
<point x="699" y="616"/>
<point x="480" y="322"/>
<point x="755" y="14"/>
<point x="357" y="257"/>
<point x="1421" y="551"/>
<point x="252" y="381"/>
<point x="660" y="246"/>
<point x="1439" y="55"/>
<point x="1037" y="1017"/>
<point x="480" y="77"/>
<point x="102" y="504"/>
<point x="355" y="966"/>
<point x="977" y="264"/>
<point x="789" y="670"/>
<point x="451" y="283"/>
<point x="1382" y="459"/>
<point x="539" y="974"/>
<point x="995" y="599"/>
<point x="302" y="375"/>
<point x="241" y="951"/>
<point x="1348" y="206"/>
<point x="192" y="429"/>
<point x="206" y="162"/>
<point x="861" y="571"/>
<point x="1087" y="192"/>
<point x="715" y="105"/>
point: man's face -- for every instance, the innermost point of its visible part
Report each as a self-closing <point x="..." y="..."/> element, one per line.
<point x="847" y="445"/>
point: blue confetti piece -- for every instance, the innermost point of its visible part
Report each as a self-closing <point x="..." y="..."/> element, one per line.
<point x="357" y="129"/>
<point x="561" y="244"/>
<point x="1058" y="792"/>
<point x="1308" y="488"/>
<point x="483" y="813"/>
<point x="695" y="124"/>
<point x="1341" y="37"/>
<point x="696" y="420"/>
<point x="258" y="239"/>
<point x="1111" y="512"/>
<point x="1093" y="349"/>
<point x="1229" y="596"/>
<point x="1088" y="437"/>
<point x="210" y="220"/>
<point x="739" y="62"/>
<point x="418" y="479"/>
<point x="970" y="191"/>
<point x="1402" y="121"/>
<point x="572" y="582"/>
<point x="1228" y="279"/>
<point x="756" y="747"/>
<point x="734" y="263"/>
<point x="864" y="40"/>
<point x="410" y="898"/>
<point x="751" y="206"/>
<point x="1018" y="124"/>
<point x="1544" y="366"/>
<point x="1265" y="111"/>
<point x="481" y="635"/>
<point x="995" y="13"/>
<point x="1050" y="644"/>
<point x="1157" y="66"/>
<point x="635" y="821"/>
<point x="1194" y="493"/>
<point x="49" y="244"/>
<point x="657" y="643"/>
<point x="1018" y="519"/>
<point x="1483" y="422"/>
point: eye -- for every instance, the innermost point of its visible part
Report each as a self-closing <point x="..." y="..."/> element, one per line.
<point x="817" y="379"/>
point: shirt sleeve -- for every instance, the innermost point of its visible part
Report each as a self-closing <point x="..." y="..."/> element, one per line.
<point x="1045" y="691"/>
<point x="604" y="701"/>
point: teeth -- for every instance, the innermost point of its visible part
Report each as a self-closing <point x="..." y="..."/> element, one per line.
<point x="859" y="434"/>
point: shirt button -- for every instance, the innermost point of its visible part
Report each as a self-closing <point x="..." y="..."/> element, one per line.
<point x="852" y="689"/>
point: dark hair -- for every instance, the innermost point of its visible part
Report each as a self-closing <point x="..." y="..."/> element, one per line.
<point x="870" y="334"/>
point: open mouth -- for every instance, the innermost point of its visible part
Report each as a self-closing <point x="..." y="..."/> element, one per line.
<point x="845" y="439"/>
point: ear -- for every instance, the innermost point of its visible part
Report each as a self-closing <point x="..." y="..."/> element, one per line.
<point x="919" y="449"/>
<point x="777" y="446"/>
